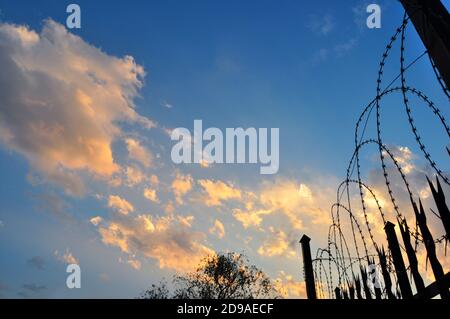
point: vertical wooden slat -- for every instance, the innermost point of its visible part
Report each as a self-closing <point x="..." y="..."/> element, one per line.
<point x="439" y="198"/>
<point x="413" y="263"/>
<point x="431" y="251"/>
<point x="308" y="268"/>
<point x="385" y="272"/>
<point x="397" y="258"/>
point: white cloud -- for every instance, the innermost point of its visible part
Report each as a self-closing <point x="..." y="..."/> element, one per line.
<point x="288" y="287"/>
<point x="67" y="257"/>
<point x="218" y="229"/>
<point x="134" y="176"/>
<point x="62" y="101"/>
<point x="151" y="195"/>
<point x="167" y="239"/>
<point x="120" y="205"/>
<point x="321" y="25"/>
<point x="216" y="192"/>
<point x="96" y="220"/>
<point x="252" y="218"/>
<point x="181" y="185"/>
<point x="138" y="152"/>
<point x="276" y="245"/>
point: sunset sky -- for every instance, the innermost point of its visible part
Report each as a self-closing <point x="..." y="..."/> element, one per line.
<point x="86" y="116"/>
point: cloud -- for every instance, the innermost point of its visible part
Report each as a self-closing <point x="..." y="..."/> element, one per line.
<point x="287" y="196"/>
<point x="181" y="185"/>
<point x="337" y="50"/>
<point x="321" y="25"/>
<point x="404" y="157"/>
<point x="62" y="101"/>
<point x="96" y="220"/>
<point x="37" y="262"/>
<point x="217" y="191"/>
<point x="288" y="287"/>
<point x="167" y="239"/>
<point x="341" y="49"/>
<point x="134" y="263"/>
<point x="138" y="152"/>
<point x="167" y="105"/>
<point x="120" y="205"/>
<point x="150" y="194"/>
<point x="67" y="257"/>
<point x="276" y="245"/>
<point x="218" y="229"/>
<point x="250" y="218"/>
<point x="134" y="176"/>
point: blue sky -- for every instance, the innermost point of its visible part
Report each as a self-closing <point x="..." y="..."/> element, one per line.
<point x="305" y="67"/>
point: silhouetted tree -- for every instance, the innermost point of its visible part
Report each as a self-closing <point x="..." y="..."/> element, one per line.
<point x="156" y="292"/>
<point x="219" y="276"/>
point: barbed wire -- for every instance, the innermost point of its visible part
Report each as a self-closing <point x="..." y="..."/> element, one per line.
<point x="339" y="258"/>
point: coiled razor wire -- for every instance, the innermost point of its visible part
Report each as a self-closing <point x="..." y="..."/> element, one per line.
<point x="337" y="258"/>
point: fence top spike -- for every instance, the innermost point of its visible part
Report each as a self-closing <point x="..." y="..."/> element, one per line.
<point x="422" y="211"/>
<point x="389" y="225"/>
<point x="305" y="239"/>
<point x="433" y="189"/>
<point x="403" y="225"/>
<point x="381" y="253"/>
<point x="440" y="191"/>
<point x="416" y="210"/>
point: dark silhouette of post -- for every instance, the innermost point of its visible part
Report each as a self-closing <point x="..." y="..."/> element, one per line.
<point x="351" y="290"/>
<point x="367" y="291"/>
<point x="431" y="251"/>
<point x="397" y="258"/>
<point x="358" y="288"/>
<point x="308" y="268"/>
<point x="439" y="198"/>
<point x="385" y="272"/>
<point x="432" y="22"/>
<point x="345" y="293"/>
<point x="337" y="292"/>
<point x="413" y="263"/>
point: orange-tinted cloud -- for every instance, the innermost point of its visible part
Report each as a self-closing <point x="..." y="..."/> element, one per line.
<point x="288" y="287"/>
<point x="181" y="185"/>
<point x="218" y="229"/>
<point x="169" y="240"/>
<point x="151" y="195"/>
<point x="217" y="191"/>
<point x="251" y="218"/>
<point x="138" y="152"/>
<point x="62" y="100"/>
<point x="277" y="244"/>
<point x="120" y="205"/>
